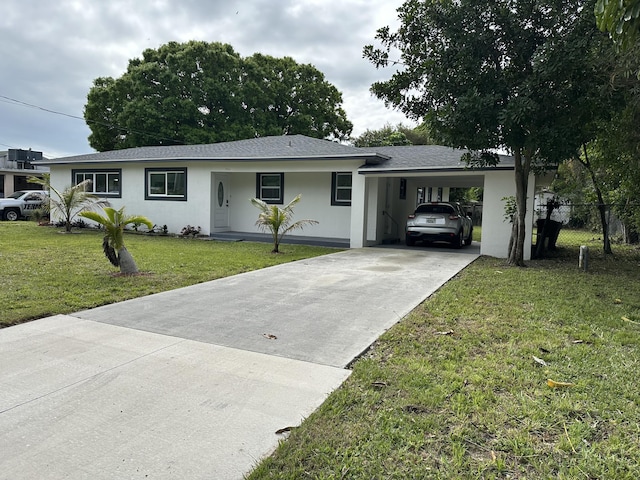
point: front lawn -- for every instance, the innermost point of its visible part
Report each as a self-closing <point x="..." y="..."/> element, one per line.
<point x="458" y="388"/>
<point x="45" y="272"/>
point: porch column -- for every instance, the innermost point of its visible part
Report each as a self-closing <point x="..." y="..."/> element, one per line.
<point x="357" y="238"/>
<point x="373" y="217"/>
<point x="496" y="231"/>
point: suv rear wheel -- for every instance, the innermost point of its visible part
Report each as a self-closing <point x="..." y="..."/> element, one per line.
<point x="468" y="240"/>
<point x="458" y="240"/>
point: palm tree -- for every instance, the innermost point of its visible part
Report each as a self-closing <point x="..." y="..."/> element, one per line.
<point x="70" y="202"/>
<point x="278" y="220"/>
<point x="114" y="222"/>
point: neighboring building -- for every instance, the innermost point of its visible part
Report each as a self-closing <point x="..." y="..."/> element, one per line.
<point x="16" y="166"/>
<point x="360" y="196"/>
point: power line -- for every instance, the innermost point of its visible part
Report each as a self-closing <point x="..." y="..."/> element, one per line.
<point x="105" y="124"/>
<point x="20" y="102"/>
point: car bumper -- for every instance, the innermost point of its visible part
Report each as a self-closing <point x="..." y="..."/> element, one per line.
<point x="432" y="234"/>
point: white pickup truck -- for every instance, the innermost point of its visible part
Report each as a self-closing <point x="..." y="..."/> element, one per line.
<point x="20" y="204"/>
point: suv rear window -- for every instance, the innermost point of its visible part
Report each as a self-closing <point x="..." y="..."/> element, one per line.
<point x="441" y="209"/>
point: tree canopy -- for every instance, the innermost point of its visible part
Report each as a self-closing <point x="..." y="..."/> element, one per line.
<point x="390" y="135"/>
<point x="489" y="74"/>
<point x="383" y="137"/>
<point x="621" y="18"/>
<point x="200" y="92"/>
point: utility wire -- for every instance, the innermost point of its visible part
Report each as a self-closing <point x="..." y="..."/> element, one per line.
<point x="39" y="108"/>
<point x="105" y="124"/>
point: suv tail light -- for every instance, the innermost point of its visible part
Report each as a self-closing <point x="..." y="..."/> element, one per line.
<point x="412" y="216"/>
<point x="454" y="217"/>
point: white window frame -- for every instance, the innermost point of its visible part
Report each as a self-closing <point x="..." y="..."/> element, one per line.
<point x="336" y="188"/>
<point x="261" y="187"/>
<point x="166" y="172"/>
<point x="111" y="177"/>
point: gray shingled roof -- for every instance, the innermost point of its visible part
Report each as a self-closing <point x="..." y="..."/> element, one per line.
<point x="423" y="157"/>
<point x="289" y="147"/>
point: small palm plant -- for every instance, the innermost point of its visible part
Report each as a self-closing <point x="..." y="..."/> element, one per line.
<point x="114" y="222"/>
<point x="68" y="203"/>
<point x="278" y="220"/>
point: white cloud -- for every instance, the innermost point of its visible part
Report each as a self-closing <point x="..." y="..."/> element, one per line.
<point x="52" y="51"/>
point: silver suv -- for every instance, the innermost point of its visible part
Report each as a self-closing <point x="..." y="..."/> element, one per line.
<point x="439" y="222"/>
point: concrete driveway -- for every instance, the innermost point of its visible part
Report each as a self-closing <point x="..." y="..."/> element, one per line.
<point x="193" y="383"/>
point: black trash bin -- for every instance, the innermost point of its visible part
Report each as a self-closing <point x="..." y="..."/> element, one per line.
<point x="550" y="236"/>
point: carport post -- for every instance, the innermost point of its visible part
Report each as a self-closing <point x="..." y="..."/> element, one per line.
<point x="358" y="211"/>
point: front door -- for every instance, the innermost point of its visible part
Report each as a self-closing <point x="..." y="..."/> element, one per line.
<point x="220" y="201"/>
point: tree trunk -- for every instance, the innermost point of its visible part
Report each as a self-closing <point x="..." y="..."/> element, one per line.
<point x="545" y="230"/>
<point x="127" y="263"/>
<point x="631" y="234"/>
<point x="518" y="232"/>
<point x="602" y="208"/>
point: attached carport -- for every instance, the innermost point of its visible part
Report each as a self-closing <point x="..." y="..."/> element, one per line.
<point x="383" y="195"/>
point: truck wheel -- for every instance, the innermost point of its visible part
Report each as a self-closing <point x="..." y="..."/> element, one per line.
<point x="11" y="215"/>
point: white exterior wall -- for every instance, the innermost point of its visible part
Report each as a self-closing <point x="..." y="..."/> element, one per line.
<point x="316" y="205"/>
<point x="363" y="223"/>
<point x="496" y="231"/>
<point x="311" y="179"/>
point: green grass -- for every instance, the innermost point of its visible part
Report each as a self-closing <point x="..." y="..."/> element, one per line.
<point x="45" y="272"/>
<point x="477" y="233"/>
<point x="472" y="403"/>
<point x="475" y="403"/>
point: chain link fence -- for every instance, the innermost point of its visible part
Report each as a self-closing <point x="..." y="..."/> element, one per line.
<point x="605" y="229"/>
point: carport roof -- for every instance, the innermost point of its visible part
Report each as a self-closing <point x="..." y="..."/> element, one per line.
<point x="425" y="158"/>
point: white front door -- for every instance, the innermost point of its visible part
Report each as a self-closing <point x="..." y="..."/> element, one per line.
<point x="220" y="199"/>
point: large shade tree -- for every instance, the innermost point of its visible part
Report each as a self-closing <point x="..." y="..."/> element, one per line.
<point x="606" y="174"/>
<point x="200" y="92"/>
<point x="388" y="135"/>
<point x="394" y="135"/>
<point x="494" y="74"/>
<point x="621" y="18"/>
<point x="285" y="97"/>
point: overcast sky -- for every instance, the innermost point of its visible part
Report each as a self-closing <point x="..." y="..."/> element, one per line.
<point x="51" y="51"/>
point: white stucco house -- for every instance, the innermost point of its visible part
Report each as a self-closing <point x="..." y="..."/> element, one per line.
<point x="360" y="196"/>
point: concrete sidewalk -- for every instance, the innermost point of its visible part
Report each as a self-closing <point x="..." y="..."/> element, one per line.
<point x="193" y="383"/>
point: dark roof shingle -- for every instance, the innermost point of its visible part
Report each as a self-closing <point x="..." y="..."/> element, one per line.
<point x="423" y="157"/>
<point x="262" y="148"/>
<point x="291" y="147"/>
